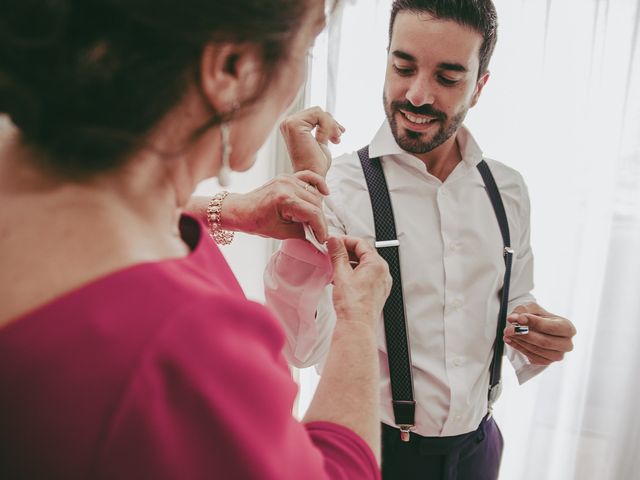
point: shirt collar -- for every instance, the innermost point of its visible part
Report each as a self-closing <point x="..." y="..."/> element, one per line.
<point x="384" y="144"/>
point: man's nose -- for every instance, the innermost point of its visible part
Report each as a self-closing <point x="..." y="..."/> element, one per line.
<point x="421" y="92"/>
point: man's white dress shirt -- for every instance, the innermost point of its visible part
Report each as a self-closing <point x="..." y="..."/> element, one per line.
<point x="452" y="271"/>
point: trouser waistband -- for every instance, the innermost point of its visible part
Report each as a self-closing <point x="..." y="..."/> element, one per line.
<point x="439" y="445"/>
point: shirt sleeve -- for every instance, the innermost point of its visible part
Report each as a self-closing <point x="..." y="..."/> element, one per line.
<point x="212" y="398"/>
<point x="522" y="283"/>
<point x="298" y="291"/>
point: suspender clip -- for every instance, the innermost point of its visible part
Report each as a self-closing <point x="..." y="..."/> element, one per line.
<point x="387" y="243"/>
<point x="405" y="431"/>
<point x="494" y="393"/>
<point x="508" y="251"/>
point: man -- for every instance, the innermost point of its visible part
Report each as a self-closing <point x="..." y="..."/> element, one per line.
<point x="451" y="250"/>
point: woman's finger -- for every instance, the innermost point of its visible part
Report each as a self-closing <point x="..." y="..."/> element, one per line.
<point x="339" y="257"/>
<point x="308" y="193"/>
<point x="314" y="179"/>
<point x="304" y="212"/>
<point x="358" y="246"/>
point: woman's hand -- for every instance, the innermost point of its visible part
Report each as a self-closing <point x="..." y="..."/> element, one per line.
<point x="361" y="280"/>
<point x="309" y="152"/>
<point x="278" y="208"/>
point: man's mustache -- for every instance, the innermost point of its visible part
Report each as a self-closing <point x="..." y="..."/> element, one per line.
<point x="421" y="110"/>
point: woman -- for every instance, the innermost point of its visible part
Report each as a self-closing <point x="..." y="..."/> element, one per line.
<point x="127" y="349"/>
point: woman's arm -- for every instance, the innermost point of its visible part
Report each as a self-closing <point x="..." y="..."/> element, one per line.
<point x="275" y="209"/>
<point x="278" y="208"/>
<point x="348" y="390"/>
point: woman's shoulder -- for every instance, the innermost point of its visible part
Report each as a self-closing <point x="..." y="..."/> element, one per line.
<point x="195" y="390"/>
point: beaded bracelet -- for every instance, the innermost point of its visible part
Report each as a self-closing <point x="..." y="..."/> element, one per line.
<point x="214" y="219"/>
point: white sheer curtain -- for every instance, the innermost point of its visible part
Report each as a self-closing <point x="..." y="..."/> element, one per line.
<point x="562" y="107"/>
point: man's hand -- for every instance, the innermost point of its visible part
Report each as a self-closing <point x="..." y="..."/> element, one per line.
<point x="549" y="337"/>
<point x="308" y="152"/>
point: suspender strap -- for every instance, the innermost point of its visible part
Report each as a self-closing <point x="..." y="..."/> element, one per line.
<point x="498" y="346"/>
<point x="395" y="323"/>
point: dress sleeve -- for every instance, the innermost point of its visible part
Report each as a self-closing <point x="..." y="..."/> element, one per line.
<point x="212" y="398"/>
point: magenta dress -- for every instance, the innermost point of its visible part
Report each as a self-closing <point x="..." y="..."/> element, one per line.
<point x="162" y="370"/>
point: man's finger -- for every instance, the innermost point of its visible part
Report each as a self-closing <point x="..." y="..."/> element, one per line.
<point x="541" y="340"/>
<point x="519" y="309"/>
<point x="542" y="356"/>
<point x="326" y="126"/>
<point x="558" y="326"/>
<point x="330" y="131"/>
<point x="531" y="307"/>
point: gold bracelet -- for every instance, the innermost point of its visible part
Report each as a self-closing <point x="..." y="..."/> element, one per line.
<point x="214" y="219"/>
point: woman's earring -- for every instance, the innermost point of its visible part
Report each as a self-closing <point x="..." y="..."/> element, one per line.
<point x="224" y="174"/>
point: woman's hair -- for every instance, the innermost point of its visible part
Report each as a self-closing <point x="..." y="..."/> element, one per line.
<point x="86" y="80"/>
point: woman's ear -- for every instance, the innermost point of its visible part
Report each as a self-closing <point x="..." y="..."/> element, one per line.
<point x="229" y="74"/>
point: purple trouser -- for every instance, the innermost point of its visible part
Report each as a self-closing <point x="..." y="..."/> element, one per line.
<point x="472" y="456"/>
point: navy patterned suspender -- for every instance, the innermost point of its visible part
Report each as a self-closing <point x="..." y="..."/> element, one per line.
<point x="395" y="323"/>
<point x="507" y="253"/>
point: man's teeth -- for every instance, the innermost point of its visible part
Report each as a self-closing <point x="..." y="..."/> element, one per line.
<point x="419" y="120"/>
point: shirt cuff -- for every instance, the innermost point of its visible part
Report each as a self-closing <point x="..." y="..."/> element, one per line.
<point x="525" y="370"/>
<point x="305" y="252"/>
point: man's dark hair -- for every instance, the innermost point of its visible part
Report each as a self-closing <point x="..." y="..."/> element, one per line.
<point x="86" y="80"/>
<point x="480" y="15"/>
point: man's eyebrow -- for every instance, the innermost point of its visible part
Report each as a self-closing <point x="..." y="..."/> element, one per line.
<point x="456" y="67"/>
<point x="403" y="55"/>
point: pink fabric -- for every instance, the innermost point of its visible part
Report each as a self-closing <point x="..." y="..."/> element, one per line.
<point x="161" y="370"/>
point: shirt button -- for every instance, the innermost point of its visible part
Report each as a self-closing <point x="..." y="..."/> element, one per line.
<point x="457" y="362"/>
<point x="453" y="246"/>
<point x="457" y="418"/>
<point x="456" y="303"/>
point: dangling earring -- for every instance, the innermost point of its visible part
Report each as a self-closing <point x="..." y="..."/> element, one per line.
<point x="224" y="174"/>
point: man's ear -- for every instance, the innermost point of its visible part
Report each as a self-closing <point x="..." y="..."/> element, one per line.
<point x="229" y="74"/>
<point x="482" y="81"/>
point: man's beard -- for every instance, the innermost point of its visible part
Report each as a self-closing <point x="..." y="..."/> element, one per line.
<point x="413" y="142"/>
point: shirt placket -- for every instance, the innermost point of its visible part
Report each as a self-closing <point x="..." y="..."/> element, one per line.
<point x="454" y="305"/>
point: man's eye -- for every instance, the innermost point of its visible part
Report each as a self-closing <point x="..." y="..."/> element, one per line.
<point x="402" y="71"/>
<point x="448" y="82"/>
